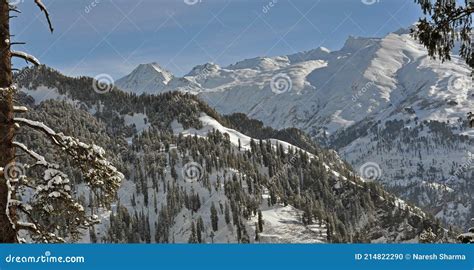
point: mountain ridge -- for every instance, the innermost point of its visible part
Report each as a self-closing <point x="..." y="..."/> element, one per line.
<point x="351" y="98"/>
<point x="315" y="192"/>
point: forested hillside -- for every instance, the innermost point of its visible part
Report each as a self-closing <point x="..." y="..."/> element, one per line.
<point x="192" y="175"/>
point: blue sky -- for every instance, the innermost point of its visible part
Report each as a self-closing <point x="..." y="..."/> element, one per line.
<point x="104" y="36"/>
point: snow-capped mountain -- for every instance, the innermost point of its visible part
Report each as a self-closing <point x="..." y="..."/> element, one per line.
<point x="192" y="175"/>
<point x="146" y="78"/>
<point x="379" y="101"/>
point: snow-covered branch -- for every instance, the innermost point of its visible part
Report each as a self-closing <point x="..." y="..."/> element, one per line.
<point x="20" y="109"/>
<point x="40" y="160"/>
<point x="52" y="197"/>
<point x="26" y="226"/>
<point x="26" y="57"/>
<point x="42" y="7"/>
<point x="99" y="173"/>
<point x="10" y="88"/>
<point x="9" y="196"/>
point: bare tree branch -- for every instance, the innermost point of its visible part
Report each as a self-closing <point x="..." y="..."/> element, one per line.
<point x="42" y="7"/>
<point x="14" y="9"/>
<point x="27" y="57"/>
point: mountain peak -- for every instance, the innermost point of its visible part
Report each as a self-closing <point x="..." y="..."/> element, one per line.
<point x="354" y="43"/>
<point x="204" y="69"/>
<point x="261" y="63"/>
<point x="146" y="78"/>
<point x="319" y="53"/>
<point x="155" y="67"/>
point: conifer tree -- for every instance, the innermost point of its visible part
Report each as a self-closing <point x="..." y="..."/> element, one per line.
<point x="214" y="218"/>
<point x="52" y="214"/>
<point x="257" y="236"/>
<point x="428" y="236"/>
<point x="260" y="221"/>
<point x="447" y="22"/>
<point x="199" y="229"/>
<point x="226" y="213"/>
<point x="193" y="236"/>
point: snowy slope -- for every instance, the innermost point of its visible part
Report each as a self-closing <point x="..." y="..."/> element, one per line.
<point x="211" y="124"/>
<point x="283" y="225"/>
<point x="350" y="99"/>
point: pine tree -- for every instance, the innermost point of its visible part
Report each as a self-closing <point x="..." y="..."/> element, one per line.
<point x="54" y="211"/>
<point x="260" y="221"/>
<point x="199" y="229"/>
<point x="239" y="231"/>
<point x="428" y="236"/>
<point x="448" y="22"/>
<point x="257" y="236"/>
<point x="226" y="213"/>
<point x="214" y="218"/>
<point x="192" y="236"/>
<point x="212" y="237"/>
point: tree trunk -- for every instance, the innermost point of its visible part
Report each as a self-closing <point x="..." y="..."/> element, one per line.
<point x="7" y="150"/>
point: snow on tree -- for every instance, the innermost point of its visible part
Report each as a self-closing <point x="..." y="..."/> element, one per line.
<point x="467" y="238"/>
<point x="470" y="116"/>
<point x="428" y="236"/>
<point x="48" y="211"/>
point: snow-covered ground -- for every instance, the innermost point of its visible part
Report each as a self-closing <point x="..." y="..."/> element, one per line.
<point x="138" y="120"/>
<point x="365" y="84"/>
<point x="210" y="124"/>
<point x="282" y="224"/>
<point x="43" y="93"/>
